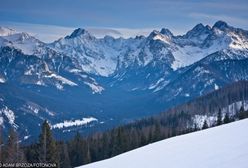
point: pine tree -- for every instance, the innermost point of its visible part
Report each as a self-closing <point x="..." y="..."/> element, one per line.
<point x="13" y="152"/>
<point x="157" y="132"/>
<point x="11" y="146"/>
<point x="47" y="147"/>
<point x="1" y="145"/>
<point x="64" y="156"/>
<point x="76" y="148"/>
<point x="116" y="141"/>
<point x="226" y="118"/>
<point x="105" y="145"/>
<point x="241" y="114"/>
<point x="205" y="125"/>
<point x="195" y="127"/>
<point x="219" y="117"/>
<point x="31" y="153"/>
<point x="142" y="139"/>
<point x="87" y="155"/>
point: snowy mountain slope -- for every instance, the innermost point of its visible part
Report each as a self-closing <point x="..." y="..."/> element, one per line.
<point x="202" y="78"/>
<point x="117" y="78"/>
<point x="48" y="69"/>
<point x="223" y="147"/>
<point x="178" y="51"/>
<point x="106" y="56"/>
<point x="148" y="59"/>
<point x="26" y="43"/>
<point x="202" y="41"/>
<point x="94" y="55"/>
<point x="38" y="64"/>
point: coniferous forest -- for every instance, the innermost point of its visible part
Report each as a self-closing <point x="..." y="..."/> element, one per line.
<point x="82" y="150"/>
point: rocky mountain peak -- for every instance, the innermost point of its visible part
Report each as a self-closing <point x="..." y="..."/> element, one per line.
<point x="221" y="25"/>
<point x="198" y="30"/>
<point x="166" y="32"/>
<point x="79" y="32"/>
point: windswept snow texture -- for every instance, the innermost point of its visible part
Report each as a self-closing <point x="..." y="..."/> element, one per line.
<point x="221" y="147"/>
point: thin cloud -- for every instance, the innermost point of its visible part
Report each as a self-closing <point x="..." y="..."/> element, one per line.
<point x="46" y="33"/>
<point x="208" y="18"/>
<point x="50" y="33"/>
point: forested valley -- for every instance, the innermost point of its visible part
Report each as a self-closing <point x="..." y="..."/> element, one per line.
<point x="224" y="105"/>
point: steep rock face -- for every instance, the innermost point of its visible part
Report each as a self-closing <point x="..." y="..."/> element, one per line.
<point x="28" y="44"/>
<point x="202" y="78"/>
<point x="94" y="55"/>
<point x="52" y="70"/>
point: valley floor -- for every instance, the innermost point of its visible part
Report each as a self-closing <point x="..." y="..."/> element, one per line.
<point x="225" y="146"/>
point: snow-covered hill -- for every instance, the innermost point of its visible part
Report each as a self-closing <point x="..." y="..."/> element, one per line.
<point x="221" y="147"/>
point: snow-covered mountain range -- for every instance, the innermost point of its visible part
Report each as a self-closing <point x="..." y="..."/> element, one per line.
<point x="108" y="55"/>
<point x="115" y="79"/>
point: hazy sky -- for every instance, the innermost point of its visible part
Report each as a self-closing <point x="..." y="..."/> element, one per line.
<point x="47" y="16"/>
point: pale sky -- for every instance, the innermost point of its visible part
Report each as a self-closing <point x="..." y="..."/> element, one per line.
<point x="51" y="19"/>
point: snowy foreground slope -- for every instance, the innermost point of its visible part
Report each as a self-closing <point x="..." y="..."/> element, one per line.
<point x="225" y="146"/>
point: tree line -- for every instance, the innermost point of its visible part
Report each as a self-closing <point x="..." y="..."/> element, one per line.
<point x="82" y="150"/>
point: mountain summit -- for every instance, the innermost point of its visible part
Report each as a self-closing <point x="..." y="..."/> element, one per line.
<point x="78" y="32"/>
<point x="166" y="32"/>
<point x="221" y="25"/>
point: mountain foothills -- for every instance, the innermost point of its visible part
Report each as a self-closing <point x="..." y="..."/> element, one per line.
<point x="83" y="83"/>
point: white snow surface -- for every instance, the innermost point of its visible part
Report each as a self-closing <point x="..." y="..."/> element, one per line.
<point x="26" y="43"/>
<point x="9" y="114"/>
<point x="60" y="81"/>
<point x="94" y="55"/>
<point x="94" y="87"/>
<point x="72" y="123"/>
<point x="188" y="54"/>
<point x="2" y="80"/>
<point x="219" y="147"/>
